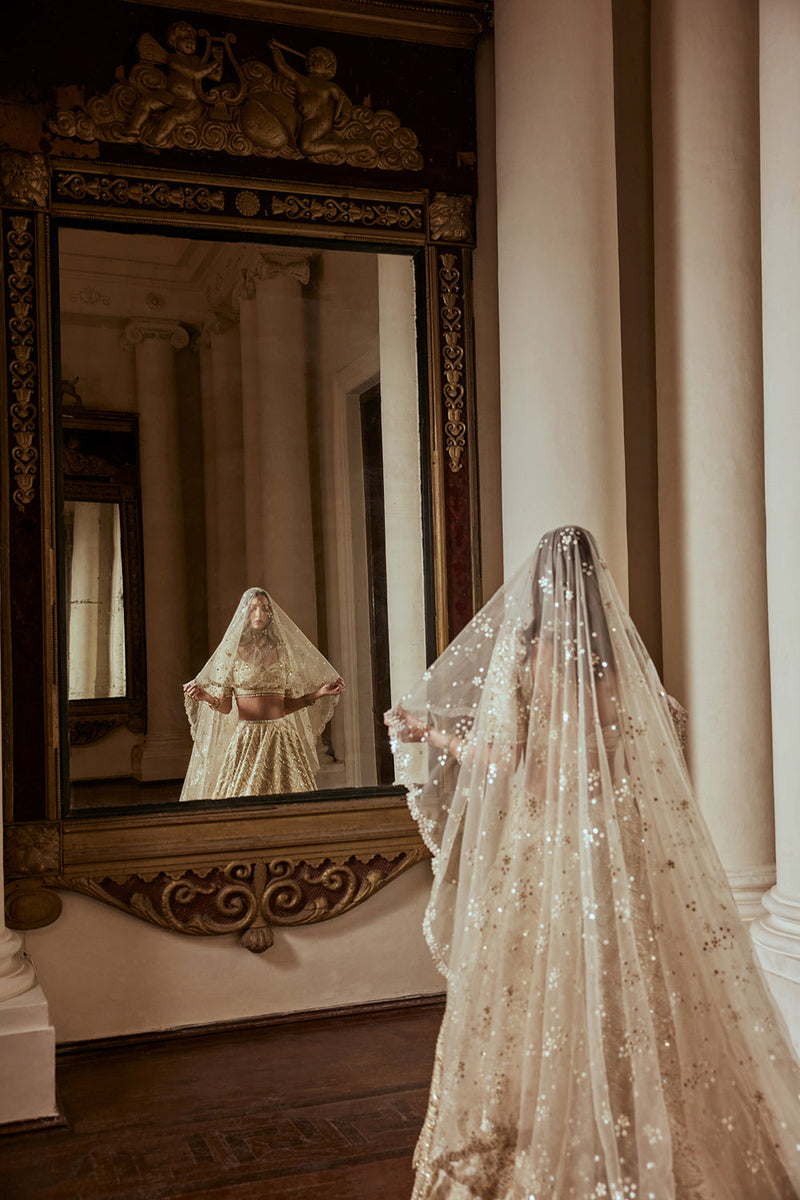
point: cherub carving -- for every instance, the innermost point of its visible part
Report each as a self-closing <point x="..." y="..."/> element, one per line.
<point x="302" y="114"/>
<point x="272" y="109"/>
<point x="322" y="106"/>
<point x="180" y="101"/>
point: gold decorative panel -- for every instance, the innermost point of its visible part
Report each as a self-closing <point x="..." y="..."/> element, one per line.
<point x="22" y="365"/>
<point x="179" y="194"/>
<point x="451" y="313"/>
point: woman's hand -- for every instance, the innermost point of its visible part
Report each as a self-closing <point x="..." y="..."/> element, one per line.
<point x="196" y="691"/>
<point x="329" y="689"/>
<point x="406" y="727"/>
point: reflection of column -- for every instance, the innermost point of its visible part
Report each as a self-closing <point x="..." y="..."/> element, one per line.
<point x="27" y="1039"/>
<point x="221" y="383"/>
<point x="165" y="752"/>
<point x="558" y="278"/>
<point x="710" y="433"/>
<point x="279" y="531"/>
<point x="401" y="482"/>
<point x="777" y="935"/>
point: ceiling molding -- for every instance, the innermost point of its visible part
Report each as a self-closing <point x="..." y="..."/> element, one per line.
<point x="439" y="22"/>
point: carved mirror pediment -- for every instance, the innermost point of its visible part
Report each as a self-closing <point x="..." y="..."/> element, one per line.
<point x="236" y="302"/>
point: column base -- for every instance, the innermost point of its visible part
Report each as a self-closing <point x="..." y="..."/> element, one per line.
<point x="27" y="1059"/>
<point x="776" y="936"/>
<point x="161" y="758"/>
<point x="748" y="886"/>
<point x="16" y="971"/>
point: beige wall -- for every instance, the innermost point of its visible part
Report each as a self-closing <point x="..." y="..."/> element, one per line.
<point x="106" y="973"/>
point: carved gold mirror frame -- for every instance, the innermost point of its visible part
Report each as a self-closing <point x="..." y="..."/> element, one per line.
<point x="247" y="867"/>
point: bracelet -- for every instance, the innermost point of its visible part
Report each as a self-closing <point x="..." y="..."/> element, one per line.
<point x="215" y="702"/>
<point x="307" y="701"/>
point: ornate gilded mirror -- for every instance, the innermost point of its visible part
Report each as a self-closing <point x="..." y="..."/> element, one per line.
<point x="238" y="335"/>
<point x="275" y="391"/>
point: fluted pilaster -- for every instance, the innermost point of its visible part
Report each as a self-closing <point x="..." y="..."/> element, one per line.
<point x="710" y="427"/>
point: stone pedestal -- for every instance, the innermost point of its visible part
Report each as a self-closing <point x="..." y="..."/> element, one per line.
<point x="27" y="1039"/>
<point x="27" y="1058"/>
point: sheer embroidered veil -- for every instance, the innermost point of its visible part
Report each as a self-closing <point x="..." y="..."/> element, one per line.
<point x="305" y="669"/>
<point x="595" y="961"/>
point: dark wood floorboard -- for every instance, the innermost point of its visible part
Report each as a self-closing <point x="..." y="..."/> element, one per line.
<point x="328" y="1109"/>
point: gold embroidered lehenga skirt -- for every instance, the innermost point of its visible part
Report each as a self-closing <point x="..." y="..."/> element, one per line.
<point x="265" y="758"/>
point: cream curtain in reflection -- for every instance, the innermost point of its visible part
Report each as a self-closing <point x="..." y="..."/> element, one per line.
<point x="96" y="623"/>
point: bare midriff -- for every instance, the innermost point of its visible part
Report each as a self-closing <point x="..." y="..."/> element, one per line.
<point x="261" y="708"/>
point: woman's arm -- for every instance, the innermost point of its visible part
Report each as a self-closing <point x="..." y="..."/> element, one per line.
<point x="414" y="730"/>
<point x="295" y="703"/>
<point x="220" y="704"/>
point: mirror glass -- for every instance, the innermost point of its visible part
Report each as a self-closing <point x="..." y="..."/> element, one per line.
<point x="278" y="415"/>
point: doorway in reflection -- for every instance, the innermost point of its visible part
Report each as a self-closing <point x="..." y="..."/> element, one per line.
<point x="278" y="417"/>
<point x="95" y="600"/>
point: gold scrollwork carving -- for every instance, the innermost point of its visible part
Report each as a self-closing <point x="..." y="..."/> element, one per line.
<point x="23" y="180"/>
<point x="179" y="97"/>
<point x="348" y="212"/>
<point x="20" y="292"/>
<point x="248" y="898"/>
<point x="451" y="218"/>
<point x="451" y="315"/>
<point x="114" y="189"/>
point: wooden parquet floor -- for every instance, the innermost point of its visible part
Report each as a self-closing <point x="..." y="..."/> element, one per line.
<point x="323" y="1109"/>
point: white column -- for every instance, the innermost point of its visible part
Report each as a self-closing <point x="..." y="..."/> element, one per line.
<point x="560" y="351"/>
<point x="777" y="934"/>
<point x="165" y="751"/>
<point x="710" y="428"/>
<point x="221" y="384"/>
<point x="401" y="482"/>
<point x="279" y="532"/>
<point x="487" y="333"/>
<point x="27" y="1039"/>
<point x="16" y="971"/>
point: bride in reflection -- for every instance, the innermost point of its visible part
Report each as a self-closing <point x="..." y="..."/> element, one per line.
<point x="285" y="692"/>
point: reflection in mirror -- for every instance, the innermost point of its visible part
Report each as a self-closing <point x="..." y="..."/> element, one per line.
<point x="258" y="707"/>
<point x="95" y="600"/>
<point x="278" y="415"/>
